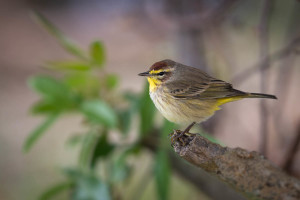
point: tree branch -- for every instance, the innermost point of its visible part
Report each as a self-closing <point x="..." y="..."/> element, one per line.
<point x="209" y="185"/>
<point x="247" y="172"/>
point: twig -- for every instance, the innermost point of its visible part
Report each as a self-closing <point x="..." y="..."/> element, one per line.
<point x="288" y="164"/>
<point x="278" y="55"/>
<point x="263" y="32"/>
<point x="247" y="172"/>
<point x="210" y="16"/>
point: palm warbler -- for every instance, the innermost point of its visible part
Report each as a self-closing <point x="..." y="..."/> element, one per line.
<point x="186" y="95"/>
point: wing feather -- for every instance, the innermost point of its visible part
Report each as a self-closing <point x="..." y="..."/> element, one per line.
<point x="210" y="89"/>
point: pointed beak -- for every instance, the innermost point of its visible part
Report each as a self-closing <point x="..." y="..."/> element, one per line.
<point x="144" y="74"/>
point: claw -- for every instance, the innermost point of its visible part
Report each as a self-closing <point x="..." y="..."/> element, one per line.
<point x="186" y="130"/>
<point x="182" y="141"/>
<point x="172" y="134"/>
<point x="177" y="135"/>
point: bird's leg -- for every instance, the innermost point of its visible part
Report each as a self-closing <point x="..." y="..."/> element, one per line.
<point x="174" y="137"/>
<point x="186" y="130"/>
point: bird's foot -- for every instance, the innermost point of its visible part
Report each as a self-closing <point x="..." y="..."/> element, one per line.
<point x="182" y="136"/>
<point x="183" y="139"/>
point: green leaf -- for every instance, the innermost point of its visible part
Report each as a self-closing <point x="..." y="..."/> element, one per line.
<point x="97" y="53"/>
<point x="98" y="111"/>
<point x="45" y="107"/>
<point x="87" y="148"/>
<point x="91" y="189"/>
<point x="69" y="65"/>
<point x="38" y="132"/>
<point x="125" y="116"/>
<point x="112" y="81"/>
<point x="56" y="190"/>
<point x="124" y="120"/>
<point x="162" y="174"/>
<point x="85" y="84"/>
<point x="103" y="149"/>
<point x="66" y="43"/>
<point x="52" y="90"/>
<point x="88" y="186"/>
<point x="147" y="112"/>
<point x="121" y="170"/>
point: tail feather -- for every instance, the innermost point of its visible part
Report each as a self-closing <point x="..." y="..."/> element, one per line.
<point x="222" y="101"/>
<point x="260" y="95"/>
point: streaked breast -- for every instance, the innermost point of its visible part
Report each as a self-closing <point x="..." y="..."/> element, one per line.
<point x="182" y="111"/>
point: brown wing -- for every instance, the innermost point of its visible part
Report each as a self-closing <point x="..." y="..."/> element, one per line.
<point x="183" y="89"/>
<point x="206" y="89"/>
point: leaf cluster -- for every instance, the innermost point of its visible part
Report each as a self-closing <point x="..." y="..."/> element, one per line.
<point x="82" y="86"/>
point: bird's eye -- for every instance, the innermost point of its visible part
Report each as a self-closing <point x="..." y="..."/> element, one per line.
<point x="161" y="73"/>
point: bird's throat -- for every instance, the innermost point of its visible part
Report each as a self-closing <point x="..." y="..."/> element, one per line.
<point x="153" y="84"/>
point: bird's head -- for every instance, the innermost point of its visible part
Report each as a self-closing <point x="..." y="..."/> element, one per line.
<point x="159" y="73"/>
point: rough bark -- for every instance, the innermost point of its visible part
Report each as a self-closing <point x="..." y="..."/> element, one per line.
<point x="247" y="172"/>
<point x="201" y="180"/>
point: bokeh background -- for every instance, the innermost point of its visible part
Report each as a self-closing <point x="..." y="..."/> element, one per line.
<point x="224" y="38"/>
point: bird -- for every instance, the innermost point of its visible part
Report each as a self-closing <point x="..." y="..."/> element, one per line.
<point x="187" y="95"/>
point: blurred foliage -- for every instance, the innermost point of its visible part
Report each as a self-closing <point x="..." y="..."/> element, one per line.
<point x="83" y="86"/>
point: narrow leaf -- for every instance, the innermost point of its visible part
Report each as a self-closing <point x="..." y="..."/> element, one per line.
<point x="45" y="107"/>
<point x="98" y="53"/>
<point x="68" y="65"/>
<point x="87" y="148"/>
<point x="38" y="132"/>
<point x="125" y="116"/>
<point x="51" y="89"/>
<point x="125" y="120"/>
<point x="102" y="149"/>
<point x="56" y="190"/>
<point x="121" y="169"/>
<point x="67" y="44"/>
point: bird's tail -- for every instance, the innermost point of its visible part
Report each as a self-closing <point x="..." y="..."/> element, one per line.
<point x="242" y="95"/>
<point x="260" y="95"/>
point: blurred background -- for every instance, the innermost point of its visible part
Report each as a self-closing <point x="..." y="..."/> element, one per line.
<point x="252" y="44"/>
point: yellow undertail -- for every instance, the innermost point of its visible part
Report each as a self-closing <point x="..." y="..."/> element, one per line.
<point x="226" y="100"/>
<point x="222" y="101"/>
